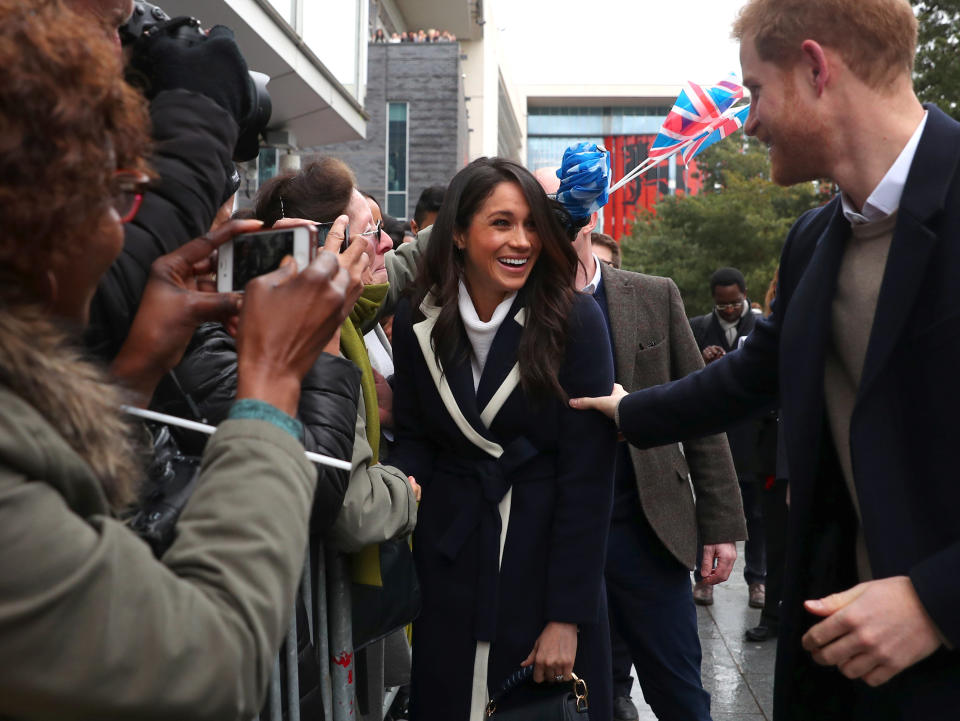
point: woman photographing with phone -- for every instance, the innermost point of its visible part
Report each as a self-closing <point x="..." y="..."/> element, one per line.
<point x="92" y="626"/>
<point x="517" y="488"/>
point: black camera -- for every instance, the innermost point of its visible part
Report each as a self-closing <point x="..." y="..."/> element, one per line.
<point x="148" y="19"/>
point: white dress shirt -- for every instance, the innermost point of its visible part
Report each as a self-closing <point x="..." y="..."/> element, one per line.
<point x="885" y="198"/>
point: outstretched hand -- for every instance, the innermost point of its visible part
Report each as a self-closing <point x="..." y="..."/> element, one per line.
<point x="605" y="404"/>
<point x="178" y="298"/>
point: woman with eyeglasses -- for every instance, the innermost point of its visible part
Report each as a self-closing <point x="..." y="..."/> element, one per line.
<point x="92" y="626"/>
<point x="517" y="488"/>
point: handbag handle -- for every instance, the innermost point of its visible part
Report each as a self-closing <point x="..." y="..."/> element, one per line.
<point x="523" y="675"/>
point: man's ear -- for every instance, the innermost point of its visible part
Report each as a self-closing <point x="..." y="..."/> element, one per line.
<point x="816" y="65"/>
<point x="414" y="228"/>
<point x="592" y="224"/>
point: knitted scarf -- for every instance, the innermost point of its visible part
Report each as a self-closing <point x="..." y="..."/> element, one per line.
<point x="354" y="349"/>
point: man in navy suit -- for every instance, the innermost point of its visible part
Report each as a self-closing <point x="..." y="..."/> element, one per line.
<point x="860" y="353"/>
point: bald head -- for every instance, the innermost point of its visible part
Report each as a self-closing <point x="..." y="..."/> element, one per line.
<point x="547" y="177"/>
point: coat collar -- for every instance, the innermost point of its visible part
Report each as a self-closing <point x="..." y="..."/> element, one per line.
<point x="924" y="199"/>
<point x="626" y="320"/>
<point x="474" y="412"/>
<point x="806" y="331"/>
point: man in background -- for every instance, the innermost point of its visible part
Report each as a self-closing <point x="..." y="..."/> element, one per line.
<point x="427" y="208"/>
<point x="605" y="248"/>
<point x="718" y="333"/>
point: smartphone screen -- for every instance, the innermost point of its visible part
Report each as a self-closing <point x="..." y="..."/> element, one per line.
<point x="323" y="230"/>
<point x="257" y="253"/>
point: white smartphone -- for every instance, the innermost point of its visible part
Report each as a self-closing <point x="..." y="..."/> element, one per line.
<point x="251" y="254"/>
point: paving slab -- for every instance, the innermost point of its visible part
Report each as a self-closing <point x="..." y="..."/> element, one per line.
<point x="737" y="673"/>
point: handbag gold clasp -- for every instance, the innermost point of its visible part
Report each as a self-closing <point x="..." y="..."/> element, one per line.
<point x="580" y="692"/>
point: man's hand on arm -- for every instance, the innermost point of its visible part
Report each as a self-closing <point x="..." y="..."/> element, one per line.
<point x="872" y="631"/>
<point x="605" y="404"/>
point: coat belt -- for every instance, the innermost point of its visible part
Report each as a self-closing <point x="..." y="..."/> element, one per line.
<point x="488" y="481"/>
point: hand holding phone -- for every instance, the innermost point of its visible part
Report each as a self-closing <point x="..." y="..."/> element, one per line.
<point x="250" y="255"/>
<point x="288" y="318"/>
<point x="173" y="304"/>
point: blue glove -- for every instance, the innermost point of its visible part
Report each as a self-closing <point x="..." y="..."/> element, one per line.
<point x="584" y="180"/>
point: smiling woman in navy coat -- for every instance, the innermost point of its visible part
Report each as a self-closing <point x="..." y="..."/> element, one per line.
<point x="517" y="488"/>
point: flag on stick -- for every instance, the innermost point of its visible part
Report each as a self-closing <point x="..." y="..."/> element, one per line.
<point x="729" y="123"/>
<point x="694" y="112"/>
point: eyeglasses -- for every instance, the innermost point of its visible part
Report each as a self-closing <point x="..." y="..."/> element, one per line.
<point x="729" y="306"/>
<point x="128" y="189"/>
<point x="375" y="231"/>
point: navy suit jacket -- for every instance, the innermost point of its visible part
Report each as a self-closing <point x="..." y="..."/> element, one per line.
<point x="902" y="432"/>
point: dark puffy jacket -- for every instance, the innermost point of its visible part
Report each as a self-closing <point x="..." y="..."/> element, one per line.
<point x="207" y="380"/>
<point x="193" y="148"/>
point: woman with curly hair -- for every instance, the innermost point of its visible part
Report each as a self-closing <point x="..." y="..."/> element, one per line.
<point x="517" y="488"/>
<point x="91" y="624"/>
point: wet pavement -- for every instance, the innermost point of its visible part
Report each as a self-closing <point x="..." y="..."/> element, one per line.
<point x="737" y="673"/>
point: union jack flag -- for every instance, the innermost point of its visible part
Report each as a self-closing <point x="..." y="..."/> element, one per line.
<point x="729" y="123"/>
<point x="696" y="109"/>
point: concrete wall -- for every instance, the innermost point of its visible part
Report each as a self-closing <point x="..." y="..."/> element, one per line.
<point x="428" y="77"/>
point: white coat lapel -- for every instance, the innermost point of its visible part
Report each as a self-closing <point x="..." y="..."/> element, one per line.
<point x="422" y="331"/>
<point x="504" y="346"/>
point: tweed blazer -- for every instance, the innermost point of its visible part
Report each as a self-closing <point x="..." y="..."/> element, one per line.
<point x="653" y="344"/>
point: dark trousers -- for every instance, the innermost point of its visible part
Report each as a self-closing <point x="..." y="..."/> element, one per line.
<point x="775" y="519"/>
<point x="651" y="608"/>
<point x="622" y="680"/>
<point x="755" y="547"/>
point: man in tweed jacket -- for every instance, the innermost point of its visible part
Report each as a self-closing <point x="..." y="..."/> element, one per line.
<point x="657" y="516"/>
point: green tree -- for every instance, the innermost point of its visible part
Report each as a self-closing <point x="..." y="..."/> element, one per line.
<point x="741" y="219"/>
<point x="936" y="70"/>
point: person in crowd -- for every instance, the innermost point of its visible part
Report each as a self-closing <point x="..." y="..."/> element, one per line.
<point x="394" y="38"/>
<point x="380" y="501"/>
<point x="717" y="333"/>
<point x="394" y="227"/>
<point x="605" y="248"/>
<point x="428" y="205"/>
<point x="859" y="355"/>
<point x="203" y="386"/>
<point x="198" y="95"/>
<point x="91" y="624"/>
<point x="379" y="36"/>
<point x="379" y="349"/>
<point x="656" y="519"/>
<point x="517" y="489"/>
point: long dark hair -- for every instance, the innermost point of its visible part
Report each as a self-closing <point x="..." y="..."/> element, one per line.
<point x="547" y="295"/>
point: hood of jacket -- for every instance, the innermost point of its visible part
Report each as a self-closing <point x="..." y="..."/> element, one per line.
<point x="61" y="418"/>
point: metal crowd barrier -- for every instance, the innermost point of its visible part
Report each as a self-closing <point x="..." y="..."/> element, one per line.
<point x="351" y="684"/>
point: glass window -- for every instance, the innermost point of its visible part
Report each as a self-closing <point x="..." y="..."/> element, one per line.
<point x="266" y="165"/>
<point x="397" y="148"/>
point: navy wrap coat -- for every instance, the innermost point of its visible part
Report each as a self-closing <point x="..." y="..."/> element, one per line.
<point x="517" y="495"/>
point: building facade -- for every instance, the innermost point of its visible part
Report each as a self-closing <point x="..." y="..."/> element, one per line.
<point x="417" y="128"/>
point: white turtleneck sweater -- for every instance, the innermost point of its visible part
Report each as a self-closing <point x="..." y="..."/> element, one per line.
<point x="481" y="333"/>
